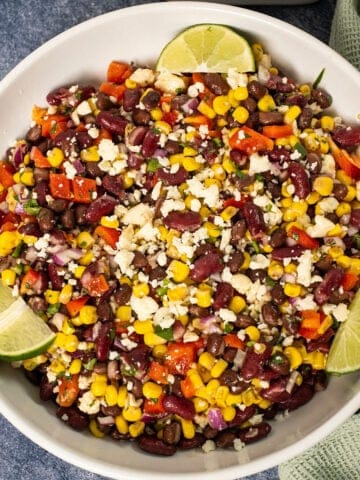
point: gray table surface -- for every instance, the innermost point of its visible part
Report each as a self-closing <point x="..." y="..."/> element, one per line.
<point x="24" y="26"/>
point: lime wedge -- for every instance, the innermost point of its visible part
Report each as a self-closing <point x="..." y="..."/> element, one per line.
<point x="23" y="334"/>
<point x="207" y="48"/>
<point x="344" y="355"/>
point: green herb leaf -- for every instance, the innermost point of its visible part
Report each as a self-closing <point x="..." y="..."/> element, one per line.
<point x="318" y="78"/>
<point x="52" y="309"/>
<point x="166" y="333"/>
<point x="90" y="364"/>
<point x="16" y="253"/>
<point x="228" y="328"/>
<point x="259" y="177"/>
<point x="32" y="207"/>
<point x="153" y="165"/>
<point x="299" y="147"/>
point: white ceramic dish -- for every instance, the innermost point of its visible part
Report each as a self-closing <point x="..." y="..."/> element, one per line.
<point x="82" y="54"/>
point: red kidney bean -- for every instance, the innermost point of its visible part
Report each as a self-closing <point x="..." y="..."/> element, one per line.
<point x="279" y="363"/>
<point x="172" y="433"/>
<point x="136" y="136"/>
<point x="173" y="178"/>
<point x="43" y="174"/>
<point x="297" y="99"/>
<point x="141" y="117"/>
<point x="332" y="281"/>
<point x="225" y="439"/>
<point x="279" y="155"/>
<point x="256" y="89"/>
<point x="150" y="143"/>
<point x="31" y="228"/>
<point x="242" y="416"/>
<point x="209" y="432"/>
<point x="183" y="221"/>
<point x="172" y="147"/>
<point x="305" y="117"/>
<point x="103" y="342"/>
<point x="66" y="141"/>
<point x="254" y="362"/>
<point x="73" y="417"/>
<point x="254" y="433"/>
<point x="68" y="219"/>
<point x="216" y="83"/>
<point x="42" y="190"/>
<point x="112" y="122"/>
<point x="299" y="179"/>
<point x="314" y="163"/>
<point x="206" y="265"/>
<point x="287" y="252"/>
<point x="238" y="157"/>
<point x="55" y="279"/>
<point x="56" y="96"/>
<point x="101" y="206"/>
<point x="189" y="443"/>
<point x="271" y="118"/>
<point x="33" y="135"/>
<point x="180" y="406"/>
<point x="114" y="184"/>
<point x="243" y="321"/>
<point x="37" y="304"/>
<point x="223" y="295"/>
<point x="135" y="160"/>
<point x="139" y="357"/>
<point x="276" y="391"/>
<point x="355" y="217"/>
<point x="322" y="98"/>
<point x="347" y="136"/>
<point x="46" y="391"/>
<point x="84" y="140"/>
<point x="270" y="314"/>
<point x="151" y="99"/>
<point x="152" y="444"/>
<point x="215" y="344"/>
<point x="238" y="231"/>
<point x="278" y="237"/>
<point x="235" y="262"/>
<point x="254" y="219"/>
<point x="103" y="101"/>
<point x="131" y="98"/>
<point x="299" y="397"/>
<point x="322" y="343"/>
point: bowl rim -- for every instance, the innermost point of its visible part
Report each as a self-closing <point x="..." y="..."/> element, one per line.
<point x="97" y="466"/>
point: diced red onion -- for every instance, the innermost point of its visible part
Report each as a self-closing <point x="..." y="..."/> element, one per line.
<point x="239" y="358"/>
<point x="291" y="382"/>
<point x="290" y="242"/>
<point x="190" y="106"/>
<point x="335" y="242"/>
<point x="352" y="230"/>
<point x="345" y="219"/>
<point x="160" y="152"/>
<point x="215" y="419"/>
<point x="209" y="324"/>
<point x="106" y="421"/>
<point x="58" y="320"/>
<point x="18" y="156"/>
<point x="79" y="167"/>
<point x="65" y="256"/>
<point x="96" y="330"/>
<point x="19" y="208"/>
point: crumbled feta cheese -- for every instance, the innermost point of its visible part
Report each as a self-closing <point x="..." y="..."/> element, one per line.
<point x="124" y="259"/>
<point x="304" y="268"/>
<point x="161" y="259"/>
<point x="171" y="206"/>
<point x="306" y="303"/>
<point x="83" y="108"/>
<point x="259" y="261"/>
<point x="169" y="83"/>
<point x="108" y="150"/>
<point x="209" y="446"/>
<point x="155" y="194"/>
<point x="238" y="444"/>
<point x="196" y="88"/>
<point x="209" y="194"/>
<point x="236" y="79"/>
<point x="320" y="228"/>
<point x="227" y="315"/>
<point x="163" y="317"/>
<point x="143" y="76"/>
<point x="195" y="205"/>
<point x="85" y="381"/>
<point x="340" y="311"/>
<point x="89" y="404"/>
<point x="143" y="307"/>
<point x="70" y="170"/>
<point x="328" y="205"/>
<point x="328" y="165"/>
<point x="128" y="344"/>
<point x="93" y="132"/>
<point x="138" y="215"/>
<point x="259" y="164"/>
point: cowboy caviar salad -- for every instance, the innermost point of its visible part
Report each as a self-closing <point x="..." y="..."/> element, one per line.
<point x="193" y="241"/>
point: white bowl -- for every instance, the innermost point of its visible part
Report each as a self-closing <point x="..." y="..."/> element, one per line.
<point x="82" y="54"/>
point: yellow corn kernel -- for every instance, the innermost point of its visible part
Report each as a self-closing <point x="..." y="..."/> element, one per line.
<point x="290" y="268"/>
<point x="176" y="158"/>
<point x="219" y="172"/>
<point x="65" y="294"/>
<point x="253" y="333"/>
<point x="188" y="428"/>
<point x="266" y="103"/>
<point x="237" y="304"/>
<point x="178" y="293"/>
<point x="292" y="113"/>
<point x="228" y="213"/>
<point x="257" y="51"/>
<point x="249" y="397"/>
<point x="327" y="123"/>
<point x="264" y="403"/>
<point x="196" y="379"/>
<point x="98" y="388"/>
<point x="179" y="270"/>
<point x="228" y="165"/>
<point x="136" y="429"/>
<point x="88" y="315"/>
<point x="286" y="202"/>
<point x="220" y="396"/>
<point x="90" y="154"/>
<point x="324" y="145"/>
<point x="240" y="114"/>
<point x="75" y="366"/>
<point x="343" y="177"/>
<point x="189" y="152"/>
<point x="190" y="164"/>
<point x="55" y="157"/>
<point x="343" y="209"/>
<point x="231" y="97"/>
<point x="228" y="413"/>
<point x="294" y="356"/>
<point x="79" y="270"/>
<point x="111" y="395"/>
<point x="122" y="396"/>
<point x="110" y="221"/>
<point x="275" y="270"/>
<point x="123" y="313"/>
<point x="57" y="366"/>
<point x="52" y="296"/>
<point x="67" y="327"/>
<point x="200" y="405"/>
<point x="311" y="142"/>
<point x="241" y="93"/>
<point x="203" y="297"/>
<point x="29" y="239"/>
<point x="164" y="127"/>
<point x="292" y="290"/>
<point x="323" y="185"/>
<point x="204" y="212"/>
<point x="336" y="231"/>
<point x="221" y="104"/>
<point x="206" y="110"/>
<point x="95" y="430"/>
<point x="355" y="266"/>
<point x="8" y="241"/>
<point x="129" y="83"/>
<point x="60" y="339"/>
<point x="8" y="277"/>
<point x="86" y="259"/>
<point x="219" y="367"/>
<point x="151" y="339"/>
<point x="325" y="324"/>
<point x="128" y="180"/>
<point x="121" y="425"/>
<point x="141" y="290"/>
<point x="31" y="363"/>
<point x="246" y="262"/>
<point x="27" y="177"/>
<point x="297" y="209"/>
<point x="305" y="89"/>
<point x="212" y="229"/>
<point x="151" y="390"/>
<point x="313" y="198"/>
<point x="143" y="326"/>
<point x="156" y="114"/>
<point x="316" y="360"/>
<point x="132" y="414"/>
<point x="206" y="360"/>
<point x="335" y="252"/>
<point x="344" y="261"/>
<point x="351" y="194"/>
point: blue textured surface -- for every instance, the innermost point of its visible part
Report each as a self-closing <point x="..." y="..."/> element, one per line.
<point x="24" y="27"/>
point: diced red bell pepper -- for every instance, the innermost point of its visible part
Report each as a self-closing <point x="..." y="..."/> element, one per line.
<point x="302" y="238"/>
<point x="158" y="372"/>
<point x="309" y="333"/>
<point x="231" y="202"/>
<point x="6" y="174"/>
<point x="349" y="281"/>
<point x="249" y="141"/>
<point x="39" y="158"/>
<point x="112" y="89"/>
<point x="277" y="131"/>
<point x="187" y="388"/>
<point x="60" y="186"/>
<point x="154" y="406"/>
<point x="350" y="166"/>
<point x="74" y="306"/>
<point x="30" y="282"/>
<point x="68" y="390"/>
<point x="109" y="235"/>
<point x="180" y="356"/>
<point x="118" y="72"/>
<point x="233" y="341"/>
<point x="52" y="125"/>
<point x="83" y="189"/>
<point x="96" y="285"/>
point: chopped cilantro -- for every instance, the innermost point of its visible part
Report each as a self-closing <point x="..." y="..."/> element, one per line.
<point x="299" y="147"/>
<point x="52" y="309"/>
<point x="318" y="78"/>
<point x="239" y="173"/>
<point x="161" y="291"/>
<point x="268" y="207"/>
<point x="259" y="177"/>
<point x="152" y="165"/>
<point x="16" y="253"/>
<point x="166" y="333"/>
<point x="269" y="282"/>
<point x="32" y="207"/>
<point x="228" y="328"/>
<point x="356" y="240"/>
<point x="90" y="364"/>
<point x="53" y="128"/>
<point x="218" y="142"/>
<point x="255" y="246"/>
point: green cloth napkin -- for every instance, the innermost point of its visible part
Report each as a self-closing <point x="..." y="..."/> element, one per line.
<point x="337" y="457"/>
<point x="345" y="30"/>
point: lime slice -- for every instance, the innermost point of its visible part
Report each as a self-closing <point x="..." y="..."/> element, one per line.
<point x="23" y="334"/>
<point x="207" y="48"/>
<point x="344" y="355"/>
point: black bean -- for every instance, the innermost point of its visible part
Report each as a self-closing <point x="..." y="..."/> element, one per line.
<point x="238" y="231"/>
<point x="200" y="312"/>
<point x="46" y="220"/>
<point x="225" y="439"/>
<point x="277" y="294"/>
<point x="136" y="388"/>
<point x="103" y="102"/>
<point x="68" y="219"/>
<point x="256" y="89"/>
<point x="152" y="444"/>
<point x="243" y="321"/>
<point x="73" y="417"/>
<point x="42" y="190"/>
<point x="157" y="273"/>
<point x="255" y="433"/>
<point x="104" y="312"/>
<point x="172" y="433"/>
<point x="209" y="432"/>
<point x="228" y="377"/>
<point x="270" y="314"/>
<point x="37" y="304"/>
<point x="141" y="117"/>
<point x="340" y="191"/>
<point x="274" y="189"/>
<point x="31" y="228"/>
<point x="305" y="117"/>
<point x="215" y="344"/>
<point x="33" y="135"/>
<point x="271" y="118"/>
<point x="80" y="214"/>
<point x="131" y="98"/>
<point x="322" y="98"/>
<point x="151" y="99"/>
<point x="250" y="104"/>
<point x="216" y="83"/>
<point x="41" y="174"/>
<point x="314" y="163"/>
<point x="229" y="354"/>
<point x="235" y="262"/>
<point x="257" y="274"/>
<point x="46" y="391"/>
<point x="93" y="170"/>
<point x="321" y="381"/>
<point x="223" y="295"/>
<point x="278" y="237"/>
<point x="190" y="443"/>
<point x="123" y="294"/>
<point x="58" y="205"/>
<point x="172" y="147"/>
<point x="299" y="397"/>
